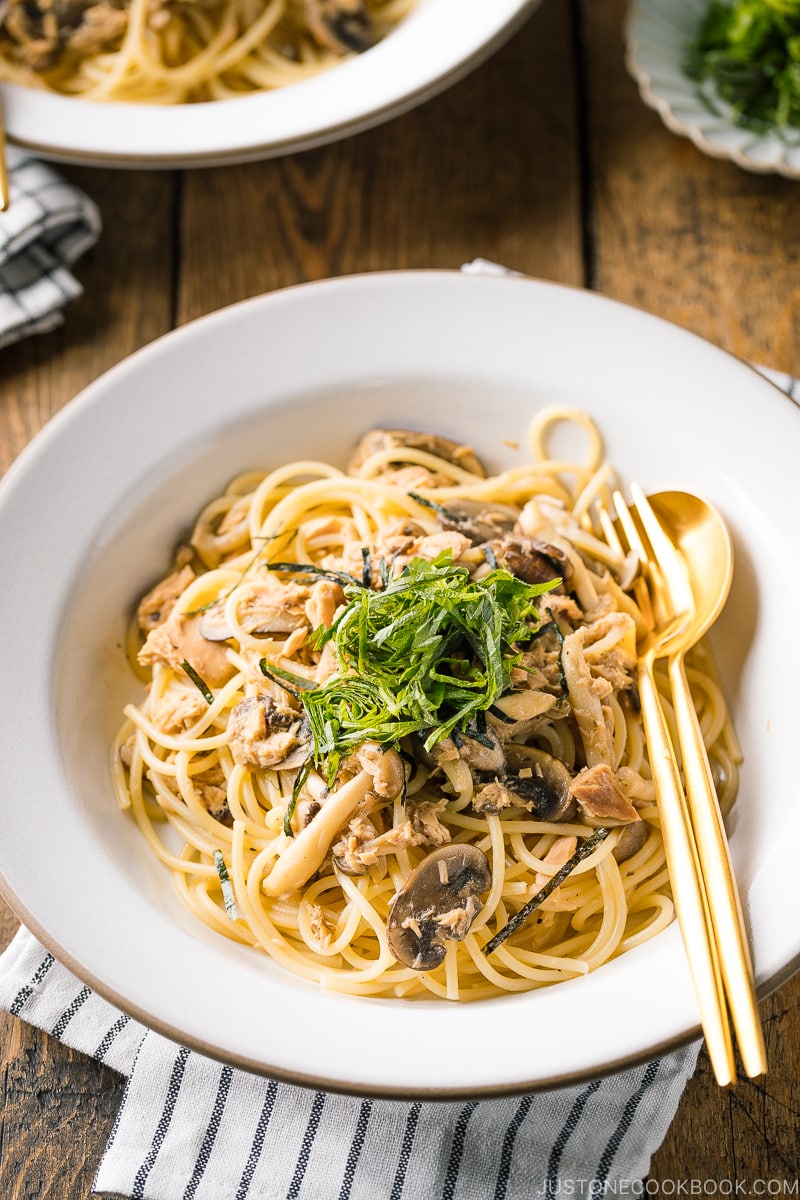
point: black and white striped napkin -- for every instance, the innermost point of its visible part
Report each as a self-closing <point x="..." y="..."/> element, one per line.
<point x="190" y="1128"/>
<point x="48" y="226"/>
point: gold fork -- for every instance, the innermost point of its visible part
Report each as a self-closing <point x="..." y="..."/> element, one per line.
<point x="691" y="906"/>
<point x="5" y="190"/>
<point x="702" y="569"/>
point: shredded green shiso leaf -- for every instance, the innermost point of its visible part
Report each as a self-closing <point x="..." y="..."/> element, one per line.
<point x="749" y="52"/>
<point x="426" y="655"/>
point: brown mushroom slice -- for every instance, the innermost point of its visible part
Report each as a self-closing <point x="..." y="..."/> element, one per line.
<point x="257" y="618"/>
<point x="342" y="26"/>
<point x="479" y="520"/>
<point x="516" y="714"/>
<point x="540" y="782"/>
<point x="600" y="798"/>
<point x="630" y="841"/>
<point x="388" y="439"/>
<point x="481" y="754"/>
<point x="532" y="560"/>
<point x="437" y="903"/>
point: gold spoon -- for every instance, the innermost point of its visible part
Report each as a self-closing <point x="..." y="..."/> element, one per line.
<point x="706" y="550"/>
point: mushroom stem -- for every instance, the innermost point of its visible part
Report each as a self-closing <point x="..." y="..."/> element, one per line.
<point x="304" y="855"/>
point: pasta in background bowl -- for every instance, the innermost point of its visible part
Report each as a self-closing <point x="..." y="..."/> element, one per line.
<point x="210" y="84"/>
<point x="478" y="359"/>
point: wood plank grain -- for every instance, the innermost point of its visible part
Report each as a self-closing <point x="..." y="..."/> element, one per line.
<point x="489" y="168"/>
<point x="714" y="249"/>
<point x="127" y="301"/>
<point x="690" y="238"/>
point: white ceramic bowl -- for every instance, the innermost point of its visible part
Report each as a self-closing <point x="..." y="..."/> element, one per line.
<point x="90" y="513"/>
<point x="438" y="43"/>
<point x="658" y="33"/>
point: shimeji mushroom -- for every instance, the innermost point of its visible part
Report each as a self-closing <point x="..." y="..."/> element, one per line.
<point x="438" y="903"/>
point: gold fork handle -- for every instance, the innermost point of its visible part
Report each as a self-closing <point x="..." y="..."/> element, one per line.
<point x="712" y="849"/>
<point x="689" y="897"/>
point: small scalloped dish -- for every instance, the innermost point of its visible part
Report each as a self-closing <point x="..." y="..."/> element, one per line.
<point x="658" y="34"/>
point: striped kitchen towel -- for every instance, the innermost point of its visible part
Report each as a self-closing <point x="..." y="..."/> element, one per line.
<point x="190" y="1128"/>
<point x="47" y="227"/>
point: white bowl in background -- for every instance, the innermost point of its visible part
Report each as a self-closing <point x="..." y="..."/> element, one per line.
<point x="90" y="513"/>
<point x="438" y="43"/>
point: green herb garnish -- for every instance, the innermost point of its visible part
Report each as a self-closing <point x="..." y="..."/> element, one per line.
<point x="227" y="887"/>
<point x="198" y="681"/>
<point x="429" y="652"/>
<point x="748" y="51"/>
<point x="583" y="851"/>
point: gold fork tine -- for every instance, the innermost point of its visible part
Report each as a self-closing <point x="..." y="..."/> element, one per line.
<point x="712" y="846"/>
<point x="691" y="904"/>
<point x="5" y="189"/>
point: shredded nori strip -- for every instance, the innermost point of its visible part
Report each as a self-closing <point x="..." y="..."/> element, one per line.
<point x="583" y="851"/>
<point x="291" y="568"/>
<point x="457" y="518"/>
<point x="562" y="678"/>
<point x="198" y="682"/>
<point x="366" y="568"/>
<point x="300" y="778"/>
<point x="490" y="556"/>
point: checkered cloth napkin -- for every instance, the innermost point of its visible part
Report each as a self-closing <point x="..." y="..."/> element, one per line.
<point x="48" y="225"/>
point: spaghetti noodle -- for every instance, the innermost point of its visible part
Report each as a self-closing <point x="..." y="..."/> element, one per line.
<point x="177" y="51"/>
<point x="388" y="707"/>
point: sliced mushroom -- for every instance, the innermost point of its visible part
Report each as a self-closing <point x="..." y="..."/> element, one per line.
<point x="481" y="754"/>
<point x="386" y="767"/>
<point x="532" y="560"/>
<point x="631" y="839"/>
<point x="389" y="439"/>
<point x="600" y="799"/>
<point x="438" y="903"/>
<point x="540" y="783"/>
<point x="255" y="618"/>
<point x="516" y="714"/>
<point x="479" y="520"/>
<point x="264" y="734"/>
<point x="343" y="26"/>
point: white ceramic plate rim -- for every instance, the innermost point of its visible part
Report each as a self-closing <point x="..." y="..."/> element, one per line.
<point x="656" y="32"/>
<point x="54" y="865"/>
<point x="426" y="53"/>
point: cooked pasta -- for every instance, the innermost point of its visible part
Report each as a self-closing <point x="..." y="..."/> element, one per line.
<point x="388" y="708"/>
<point x="176" y="51"/>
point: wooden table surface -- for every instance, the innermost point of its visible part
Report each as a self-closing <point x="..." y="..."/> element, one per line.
<point x="545" y="159"/>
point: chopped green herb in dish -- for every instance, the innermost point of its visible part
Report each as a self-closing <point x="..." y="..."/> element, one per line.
<point x="748" y="53"/>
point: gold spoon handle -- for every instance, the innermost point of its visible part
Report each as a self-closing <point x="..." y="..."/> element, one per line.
<point x="723" y="897"/>
<point x="691" y="906"/>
